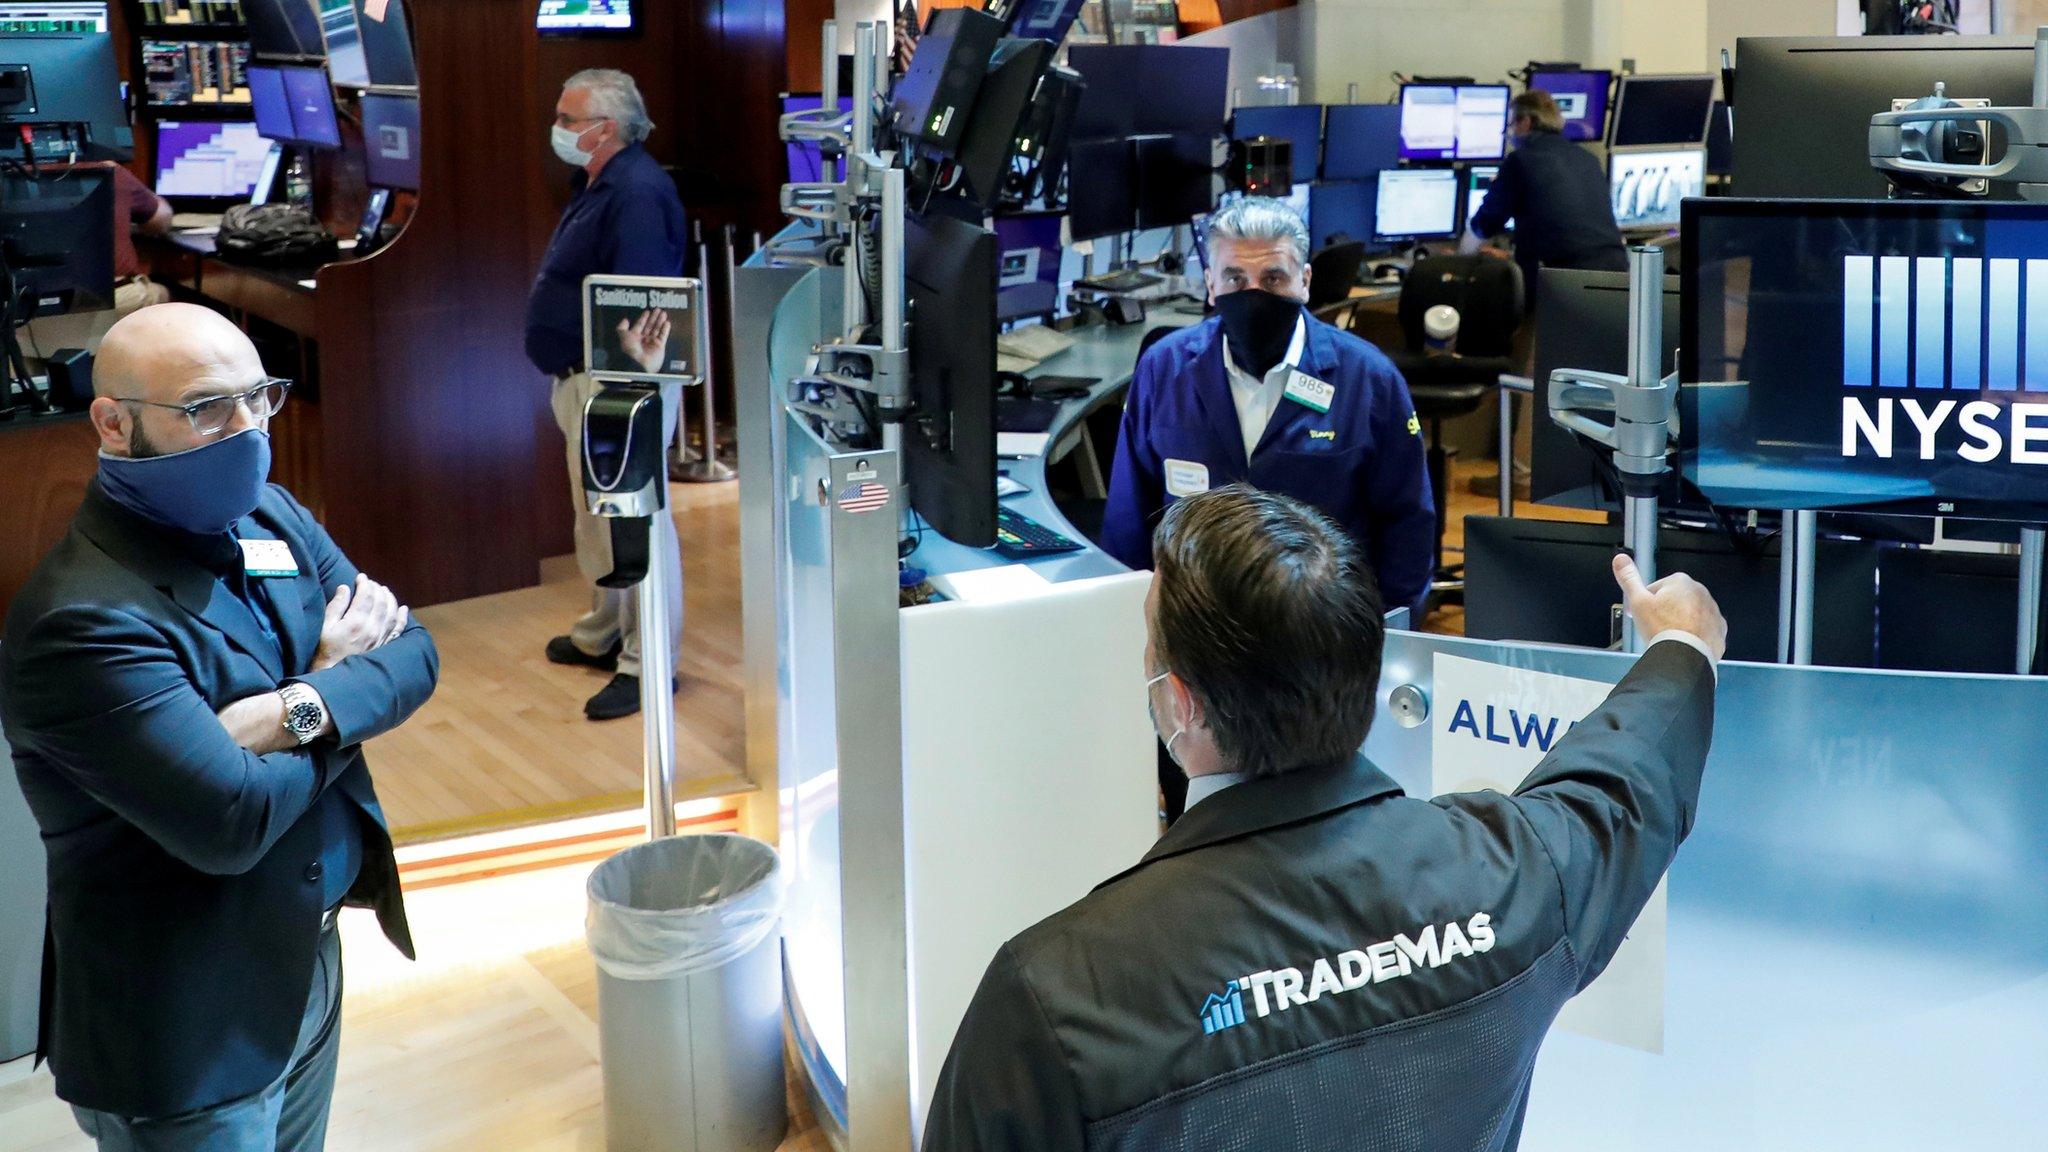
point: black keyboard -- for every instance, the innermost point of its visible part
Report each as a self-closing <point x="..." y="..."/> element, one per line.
<point x="1019" y="537"/>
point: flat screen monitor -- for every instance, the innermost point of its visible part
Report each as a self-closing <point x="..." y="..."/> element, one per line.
<point x="1340" y="212"/>
<point x="72" y="79"/>
<point x="1647" y="187"/>
<point x="1663" y="111"/>
<point x="1720" y="141"/>
<point x="1806" y="103"/>
<point x="949" y="460"/>
<point x="54" y="17"/>
<point x="209" y="159"/>
<point x="345" y="61"/>
<point x="294" y="104"/>
<point x="387" y="44"/>
<point x="1581" y="97"/>
<point x="1185" y="88"/>
<point x="1110" y="98"/>
<point x="1361" y="140"/>
<point x="1479" y="180"/>
<point x="284" y="29"/>
<point x="585" y="18"/>
<point x="1454" y="122"/>
<point x="1028" y="257"/>
<point x="806" y="160"/>
<point x="1299" y="124"/>
<point x="1885" y="356"/>
<point x="1417" y="204"/>
<point x="58" y="237"/>
<point x="1101" y="188"/>
<point x="1176" y="177"/>
<point x="1582" y="322"/>
<point x="391" y="140"/>
<point x="1039" y="19"/>
<point x="176" y="73"/>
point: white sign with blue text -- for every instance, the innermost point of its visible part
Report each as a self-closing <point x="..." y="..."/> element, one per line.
<point x="1489" y="728"/>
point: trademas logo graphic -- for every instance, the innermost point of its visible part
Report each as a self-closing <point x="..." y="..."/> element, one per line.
<point x="1931" y="325"/>
<point x="1284" y="989"/>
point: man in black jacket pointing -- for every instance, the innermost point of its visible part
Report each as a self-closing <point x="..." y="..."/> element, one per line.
<point x="1310" y="959"/>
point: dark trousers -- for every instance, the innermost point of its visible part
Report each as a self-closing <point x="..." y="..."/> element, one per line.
<point x="288" y="1116"/>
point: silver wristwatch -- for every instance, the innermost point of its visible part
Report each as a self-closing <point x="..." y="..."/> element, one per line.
<point x="304" y="712"/>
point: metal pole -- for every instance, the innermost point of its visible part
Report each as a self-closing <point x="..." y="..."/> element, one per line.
<point x="2033" y="551"/>
<point x="1639" y="534"/>
<point x="1645" y="371"/>
<point x="1805" y="535"/>
<point x="1507" y="453"/>
<point x="709" y="469"/>
<point x="892" y="334"/>
<point x="1788" y="562"/>
<point x="657" y="686"/>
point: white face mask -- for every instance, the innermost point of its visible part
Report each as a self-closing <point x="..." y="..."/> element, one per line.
<point x="565" y="142"/>
<point x="1179" y="729"/>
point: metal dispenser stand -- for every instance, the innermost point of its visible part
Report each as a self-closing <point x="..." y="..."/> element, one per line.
<point x="1643" y="406"/>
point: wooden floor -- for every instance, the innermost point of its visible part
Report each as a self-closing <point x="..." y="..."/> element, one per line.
<point x="504" y="741"/>
<point x="488" y="1044"/>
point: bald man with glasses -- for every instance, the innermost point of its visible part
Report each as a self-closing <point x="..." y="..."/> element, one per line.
<point x="187" y="682"/>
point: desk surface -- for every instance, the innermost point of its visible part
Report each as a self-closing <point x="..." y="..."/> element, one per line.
<point x="1108" y="353"/>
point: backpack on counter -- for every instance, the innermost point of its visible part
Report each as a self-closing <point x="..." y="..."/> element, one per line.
<point x="273" y="235"/>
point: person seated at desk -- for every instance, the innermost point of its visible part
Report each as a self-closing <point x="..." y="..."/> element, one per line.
<point x="1554" y="194"/>
<point x="135" y="206"/>
<point x="1310" y="958"/>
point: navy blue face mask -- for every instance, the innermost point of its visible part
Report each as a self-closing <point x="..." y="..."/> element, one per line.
<point x="203" y="490"/>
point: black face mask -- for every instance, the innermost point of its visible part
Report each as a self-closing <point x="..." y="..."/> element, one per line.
<point x="1260" y="326"/>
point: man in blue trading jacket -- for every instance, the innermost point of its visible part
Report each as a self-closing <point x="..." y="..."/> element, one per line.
<point x="625" y="219"/>
<point x="1265" y="393"/>
<point x="1310" y="959"/>
<point x="187" y="682"/>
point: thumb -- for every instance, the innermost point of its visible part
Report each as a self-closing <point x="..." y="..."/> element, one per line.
<point x="338" y="605"/>
<point x="1626" y="575"/>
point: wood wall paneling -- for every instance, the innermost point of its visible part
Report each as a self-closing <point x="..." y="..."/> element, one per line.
<point x="44" y="468"/>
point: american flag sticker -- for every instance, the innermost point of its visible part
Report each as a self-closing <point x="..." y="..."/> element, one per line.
<point x="865" y="497"/>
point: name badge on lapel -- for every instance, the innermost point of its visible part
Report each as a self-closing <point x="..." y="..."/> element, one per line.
<point x="268" y="558"/>
<point x="1186" y="478"/>
<point x="1310" y="392"/>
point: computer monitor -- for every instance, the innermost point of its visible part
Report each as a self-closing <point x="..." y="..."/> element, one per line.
<point x="1646" y="187"/>
<point x="1361" y="140"/>
<point x="585" y="18"/>
<point x="1806" y="103"/>
<point x="1176" y="176"/>
<point x="949" y="449"/>
<point x="1582" y="322"/>
<point x="1581" y="96"/>
<point x="64" y="78"/>
<point x="1417" y="204"/>
<point x="807" y="160"/>
<point x="294" y="104"/>
<point x="1036" y="19"/>
<point x="1340" y="212"/>
<point x="387" y="46"/>
<point x="208" y="160"/>
<point x="1720" y="141"/>
<point x="266" y="176"/>
<point x="988" y="146"/>
<point x="1299" y="124"/>
<point x="1101" y="188"/>
<point x="284" y="29"/>
<point x="1454" y="121"/>
<point x="1479" y="180"/>
<point x="346" y="64"/>
<point x="1109" y="101"/>
<point x="177" y="73"/>
<point x="58" y="239"/>
<point x="54" y="17"/>
<point x="1666" y="111"/>
<point x="933" y="102"/>
<point x="1185" y="89"/>
<point x="391" y="140"/>
<point x="1028" y="256"/>
<point x="1882" y="356"/>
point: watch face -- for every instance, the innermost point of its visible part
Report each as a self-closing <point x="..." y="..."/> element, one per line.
<point x="303" y="718"/>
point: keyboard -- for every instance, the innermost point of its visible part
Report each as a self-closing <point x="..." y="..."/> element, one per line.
<point x="196" y="221"/>
<point x="1128" y="280"/>
<point x="1019" y="537"/>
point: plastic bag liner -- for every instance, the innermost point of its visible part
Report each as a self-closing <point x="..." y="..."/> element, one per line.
<point x="682" y="904"/>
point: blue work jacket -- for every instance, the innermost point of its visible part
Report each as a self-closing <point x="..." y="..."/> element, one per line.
<point x="1362" y="462"/>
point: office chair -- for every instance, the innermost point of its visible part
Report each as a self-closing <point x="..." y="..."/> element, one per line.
<point x="1333" y="273"/>
<point x="1487" y="292"/>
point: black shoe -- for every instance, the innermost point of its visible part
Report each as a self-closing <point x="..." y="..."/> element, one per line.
<point x="619" y="698"/>
<point x="562" y="650"/>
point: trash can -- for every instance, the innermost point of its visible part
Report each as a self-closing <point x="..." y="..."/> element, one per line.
<point x="689" y="995"/>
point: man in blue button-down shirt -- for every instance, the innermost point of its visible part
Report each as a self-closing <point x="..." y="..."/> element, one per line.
<point x="625" y="219"/>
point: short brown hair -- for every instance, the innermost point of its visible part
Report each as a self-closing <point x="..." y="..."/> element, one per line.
<point x="1540" y="109"/>
<point x="1269" y="613"/>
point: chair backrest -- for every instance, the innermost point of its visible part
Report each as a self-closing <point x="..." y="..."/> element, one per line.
<point x="1486" y="291"/>
<point x="1154" y="337"/>
<point x="1333" y="272"/>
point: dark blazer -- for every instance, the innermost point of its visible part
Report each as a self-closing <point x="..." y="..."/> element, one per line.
<point x="1318" y="961"/>
<point x="185" y="897"/>
<point x="1362" y="463"/>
